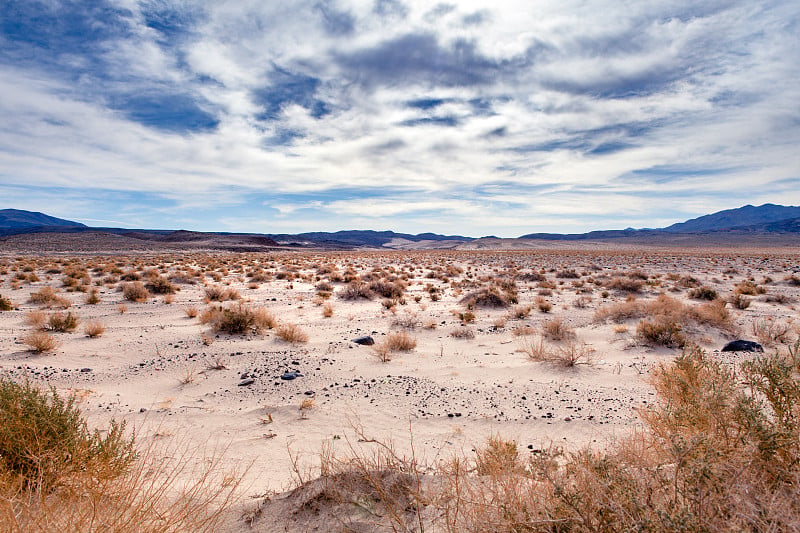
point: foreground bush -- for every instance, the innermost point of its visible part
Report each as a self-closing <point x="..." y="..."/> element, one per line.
<point x="719" y="451"/>
<point x="57" y="476"/>
<point x="239" y="319"/>
<point x="43" y="438"/>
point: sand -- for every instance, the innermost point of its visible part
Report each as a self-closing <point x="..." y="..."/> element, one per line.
<point x="175" y="381"/>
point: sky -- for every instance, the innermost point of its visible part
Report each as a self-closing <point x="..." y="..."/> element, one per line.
<point x="466" y="118"/>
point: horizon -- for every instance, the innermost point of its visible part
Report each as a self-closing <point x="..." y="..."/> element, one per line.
<point x="455" y="119"/>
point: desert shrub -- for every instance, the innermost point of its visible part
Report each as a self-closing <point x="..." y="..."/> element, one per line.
<point x="520" y="311"/>
<point x="406" y="322"/>
<point x="239" y="319"/>
<point x="92" y="297"/>
<point x="714" y="314"/>
<point x="620" y="312"/>
<point x="462" y="332"/>
<point x="748" y="288"/>
<point x="497" y="458"/>
<point x="387" y="289"/>
<point x="94" y="328"/>
<point x="43" y="438"/>
<point x="661" y="331"/>
<point x="624" y="284"/>
<point x="740" y="301"/>
<point x="703" y="293"/>
<point x="356" y="290"/>
<point x="400" y="341"/>
<point x="191" y="311"/>
<point x="160" y="285"/>
<point x="770" y="332"/>
<point x="217" y="293"/>
<point x="5" y="304"/>
<point x="567" y="274"/>
<point x="543" y="305"/>
<point x="567" y="354"/>
<point x="490" y="297"/>
<point x="291" y="333"/>
<point x="40" y="341"/>
<point x="49" y="297"/>
<point x="61" y="322"/>
<point x="327" y="310"/>
<point x="135" y="291"/>
<point x="557" y="330"/>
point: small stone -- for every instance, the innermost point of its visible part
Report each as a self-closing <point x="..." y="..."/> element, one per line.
<point x="86" y="369"/>
<point x="246" y="382"/>
<point x="289" y="376"/>
<point x="742" y="346"/>
<point x="366" y="340"/>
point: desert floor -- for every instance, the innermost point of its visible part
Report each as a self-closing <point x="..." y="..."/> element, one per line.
<point x="544" y="347"/>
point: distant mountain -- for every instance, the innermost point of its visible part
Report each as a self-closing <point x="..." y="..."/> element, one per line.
<point x="19" y="219"/>
<point x="747" y="215"/>
<point x="364" y="237"/>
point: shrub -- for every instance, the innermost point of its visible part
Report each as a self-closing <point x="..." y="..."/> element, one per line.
<point x="356" y="290"/>
<point x="462" y="332"/>
<point x="191" y="311"/>
<point x="135" y="291"/>
<point x="487" y="297"/>
<point x="49" y="297"/>
<point x="661" y="331"/>
<point x="740" y="301"/>
<point x="160" y="285"/>
<point x="568" y="354"/>
<point x="43" y="438"/>
<point x="703" y="293"/>
<point x="94" y="328"/>
<point x="400" y="341"/>
<point x="62" y="322"/>
<point x="92" y="297"/>
<point x="238" y="320"/>
<point x="291" y="333"/>
<point x="327" y="310"/>
<point x="387" y="289"/>
<point x="216" y="293"/>
<point x="40" y="341"/>
<point x="556" y="330"/>
<point x="543" y="305"/>
<point x="624" y="284"/>
<point x="6" y="304"/>
<point x="620" y="312"/>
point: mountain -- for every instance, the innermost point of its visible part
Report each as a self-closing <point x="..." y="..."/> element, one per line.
<point x="19" y="219"/>
<point x="747" y="215"/>
<point x="364" y="237"/>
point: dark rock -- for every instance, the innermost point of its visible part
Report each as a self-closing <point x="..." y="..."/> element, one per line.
<point x="742" y="346"/>
<point x="86" y="369"/>
<point x="309" y="393"/>
<point x="289" y="376"/>
<point x="246" y="382"/>
<point x="366" y="340"/>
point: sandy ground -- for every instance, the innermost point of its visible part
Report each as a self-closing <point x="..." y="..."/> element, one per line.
<point x="152" y="368"/>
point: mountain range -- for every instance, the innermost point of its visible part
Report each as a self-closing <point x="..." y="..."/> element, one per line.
<point x="767" y="219"/>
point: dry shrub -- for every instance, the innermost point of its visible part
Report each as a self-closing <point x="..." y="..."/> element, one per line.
<point x="191" y="311"/>
<point x="61" y="322"/>
<point x="49" y="297"/>
<point x="327" y="310"/>
<point x="624" y="284"/>
<point x="405" y="322"/>
<point x="661" y="331"/>
<point x="36" y="318"/>
<point x="160" y="285"/>
<point x="239" y="319"/>
<point x="770" y="332"/>
<point x="543" y="305"/>
<point x="462" y="332"/>
<point x="488" y="297"/>
<point x="557" y="330"/>
<point x="135" y="291"/>
<point x="217" y="293"/>
<point x="291" y="333"/>
<point x="6" y="304"/>
<point x="714" y="314"/>
<point x="40" y="341"/>
<point x="521" y="311"/>
<point x="703" y="293"/>
<point x="740" y="301"/>
<point x="748" y="288"/>
<point x="567" y="354"/>
<point x="92" y="297"/>
<point x="388" y="289"/>
<point x="68" y="478"/>
<point x="356" y="290"/>
<point x="94" y="328"/>
<point x="400" y="341"/>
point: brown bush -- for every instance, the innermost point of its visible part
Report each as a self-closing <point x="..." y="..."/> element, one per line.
<point x="291" y="333"/>
<point x="135" y="291"/>
<point x="40" y="341"/>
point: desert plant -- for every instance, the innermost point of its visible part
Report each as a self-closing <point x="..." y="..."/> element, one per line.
<point x="740" y="301"/>
<point x="61" y="322"/>
<point x="327" y="310"/>
<point x="43" y="438"/>
<point x="5" y="304"/>
<point x="557" y="330"/>
<point x="703" y="293"/>
<point x="135" y="291"/>
<point x="191" y="311"/>
<point x="661" y="331"/>
<point x="94" y="328"/>
<point x="238" y="320"/>
<point x="92" y="297"/>
<point x="770" y="332"/>
<point x="543" y="305"/>
<point x="160" y="285"/>
<point x="49" y="297"/>
<point x="462" y="332"/>
<point x="356" y="290"/>
<point x="291" y="333"/>
<point x="40" y="341"/>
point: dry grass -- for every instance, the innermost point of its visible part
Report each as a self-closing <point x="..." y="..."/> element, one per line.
<point x="770" y="332"/>
<point x="463" y="332"/>
<point x="567" y="354"/>
<point x="40" y="341"/>
<point x="327" y="310"/>
<point x="557" y="330"/>
<point x="135" y="291"/>
<point x="291" y="333"/>
<point x="47" y="296"/>
<point x="395" y="341"/>
<point x="94" y="328"/>
<point x="191" y="311"/>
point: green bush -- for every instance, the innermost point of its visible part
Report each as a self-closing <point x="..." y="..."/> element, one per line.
<point x="44" y="438"/>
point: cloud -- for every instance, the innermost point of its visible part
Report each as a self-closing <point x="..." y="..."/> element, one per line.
<point x="475" y="119"/>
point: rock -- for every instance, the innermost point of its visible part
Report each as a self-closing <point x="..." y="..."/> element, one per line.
<point x="742" y="346"/>
<point x="366" y="340"/>
<point x="246" y="382"/>
<point x="86" y="369"/>
<point x="289" y="376"/>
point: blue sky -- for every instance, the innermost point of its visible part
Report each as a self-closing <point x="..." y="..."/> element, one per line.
<point x="470" y="118"/>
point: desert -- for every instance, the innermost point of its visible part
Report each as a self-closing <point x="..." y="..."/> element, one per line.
<point x="264" y="374"/>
